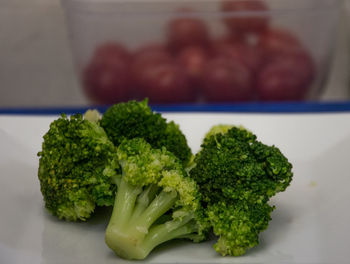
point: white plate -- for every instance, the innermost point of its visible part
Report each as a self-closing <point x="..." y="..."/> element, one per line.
<point x="310" y="224"/>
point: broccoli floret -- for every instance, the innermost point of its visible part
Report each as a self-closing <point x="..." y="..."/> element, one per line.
<point x="218" y="129"/>
<point x="237" y="176"/>
<point x="136" y="119"/>
<point x="155" y="202"/>
<point x="75" y="167"/>
<point x="238" y="224"/>
<point x="92" y="115"/>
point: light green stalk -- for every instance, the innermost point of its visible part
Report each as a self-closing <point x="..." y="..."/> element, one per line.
<point x="131" y="233"/>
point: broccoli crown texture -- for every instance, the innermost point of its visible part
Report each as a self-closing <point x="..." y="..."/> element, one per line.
<point x="235" y="165"/>
<point x="238" y="225"/>
<point x="218" y="129"/>
<point x="237" y="176"/>
<point x="155" y="201"/>
<point x="136" y="119"/>
<point x="75" y="166"/>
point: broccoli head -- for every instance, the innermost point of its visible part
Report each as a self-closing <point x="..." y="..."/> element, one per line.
<point x="218" y="129"/>
<point x="237" y="176"/>
<point x="237" y="166"/>
<point x="238" y="225"/>
<point x="92" y="115"/>
<point x="155" y="201"/>
<point x="136" y="119"/>
<point x="75" y="166"/>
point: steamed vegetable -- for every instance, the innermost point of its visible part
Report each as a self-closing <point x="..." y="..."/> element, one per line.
<point x="75" y="168"/>
<point x="237" y="175"/>
<point x="136" y="119"/>
<point x="135" y="161"/>
<point x="155" y="202"/>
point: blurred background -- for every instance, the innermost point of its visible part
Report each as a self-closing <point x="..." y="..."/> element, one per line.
<point x="50" y="51"/>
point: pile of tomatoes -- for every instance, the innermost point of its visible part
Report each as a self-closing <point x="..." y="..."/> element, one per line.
<point x="254" y="61"/>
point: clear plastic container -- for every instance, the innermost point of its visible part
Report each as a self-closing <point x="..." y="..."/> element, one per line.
<point x="202" y="51"/>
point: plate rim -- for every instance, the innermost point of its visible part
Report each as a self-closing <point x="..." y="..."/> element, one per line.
<point x="247" y="107"/>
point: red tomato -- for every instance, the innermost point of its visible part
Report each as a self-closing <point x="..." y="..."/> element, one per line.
<point x="149" y="55"/>
<point x="150" y="49"/>
<point x="227" y="80"/>
<point x="106" y="83"/>
<point x="192" y="60"/>
<point x="225" y="40"/>
<point x="109" y="52"/>
<point x="245" y="23"/>
<point x="187" y="31"/>
<point x="164" y="82"/>
<point x="106" y="78"/>
<point x="250" y="56"/>
<point x="145" y="56"/>
<point x="275" y="42"/>
<point x="286" y="78"/>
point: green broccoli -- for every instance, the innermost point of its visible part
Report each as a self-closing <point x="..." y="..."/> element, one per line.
<point x="155" y="201"/>
<point x="75" y="168"/>
<point x="134" y="160"/>
<point x="238" y="224"/>
<point x="92" y="115"/>
<point x="136" y="119"/>
<point x="221" y="128"/>
<point x="237" y="176"/>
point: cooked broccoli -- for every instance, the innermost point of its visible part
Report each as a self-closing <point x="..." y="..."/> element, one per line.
<point x="237" y="176"/>
<point x="221" y="128"/>
<point x="155" y="201"/>
<point x="238" y="224"/>
<point x="137" y="162"/>
<point x="75" y="167"/>
<point x="136" y="119"/>
<point x="92" y="115"/>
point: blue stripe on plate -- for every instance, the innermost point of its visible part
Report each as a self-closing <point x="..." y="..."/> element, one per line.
<point x="297" y="107"/>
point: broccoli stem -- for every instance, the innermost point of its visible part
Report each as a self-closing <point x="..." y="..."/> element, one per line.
<point x="144" y="200"/>
<point x="124" y="203"/>
<point x="167" y="231"/>
<point x="130" y="232"/>
<point x="160" y="205"/>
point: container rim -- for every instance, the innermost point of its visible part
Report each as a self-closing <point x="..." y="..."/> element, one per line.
<point x="108" y="6"/>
